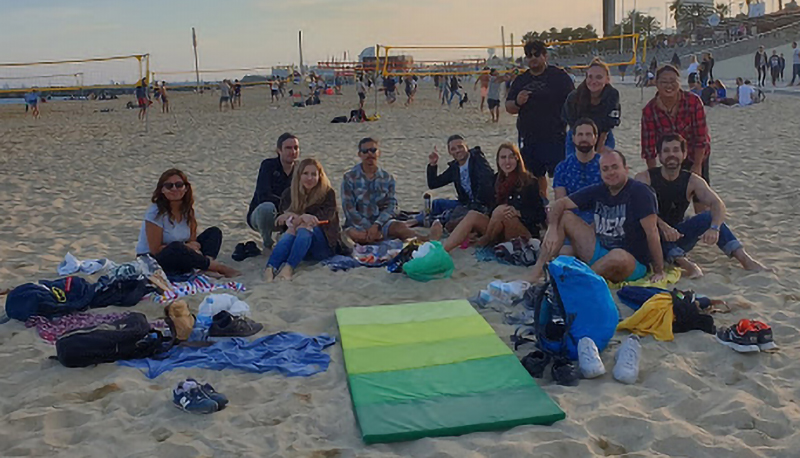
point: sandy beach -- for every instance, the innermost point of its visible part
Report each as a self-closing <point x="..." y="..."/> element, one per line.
<point x="79" y="180"/>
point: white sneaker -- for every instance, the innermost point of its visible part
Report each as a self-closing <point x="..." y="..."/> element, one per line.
<point x="589" y="359"/>
<point x="627" y="368"/>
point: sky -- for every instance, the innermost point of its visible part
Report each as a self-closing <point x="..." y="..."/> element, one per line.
<point x="249" y="33"/>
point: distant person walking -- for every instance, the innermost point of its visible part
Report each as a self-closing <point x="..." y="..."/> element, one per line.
<point x="224" y="94"/>
<point x="761" y="62"/>
<point x="361" y="89"/>
<point x="795" y="62"/>
<point x="775" y="67"/>
<point x="237" y="92"/>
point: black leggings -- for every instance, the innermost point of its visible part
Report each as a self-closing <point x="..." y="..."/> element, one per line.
<point x="177" y="258"/>
<point x="762" y="76"/>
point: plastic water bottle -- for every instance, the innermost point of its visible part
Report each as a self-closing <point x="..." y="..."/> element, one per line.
<point x="509" y="292"/>
<point x="428" y="209"/>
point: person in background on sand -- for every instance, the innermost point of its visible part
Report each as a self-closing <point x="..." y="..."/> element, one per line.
<point x="709" y="58"/>
<point x="693" y="70"/>
<point x="370" y="204"/>
<point x="596" y="99"/>
<point x="675" y="188"/>
<point x="164" y="99"/>
<point x="390" y="89"/>
<point x="775" y="67"/>
<point x="237" y="92"/>
<point x="783" y="67"/>
<point x="142" y="99"/>
<point x="795" y="62"/>
<point x="493" y="94"/>
<point x="722" y="94"/>
<point x="32" y="102"/>
<point x="224" y="94"/>
<point x="519" y="211"/>
<point x="471" y="175"/>
<point x="538" y="96"/>
<point x="311" y="219"/>
<point x="455" y="89"/>
<point x="274" y="177"/>
<point x="674" y="110"/>
<point x="274" y="91"/>
<point x="361" y="89"/>
<point x="410" y="89"/>
<point x="624" y="238"/>
<point x="746" y="93"/>
<point x="761" y="63"/>
<point x="484" y="80"/>
<point x="169" y="230"/>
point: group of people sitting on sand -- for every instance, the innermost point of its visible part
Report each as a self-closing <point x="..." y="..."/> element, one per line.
<point x="625" y="229"/>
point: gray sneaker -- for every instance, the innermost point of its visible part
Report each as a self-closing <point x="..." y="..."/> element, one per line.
<point x="626" y="369"/>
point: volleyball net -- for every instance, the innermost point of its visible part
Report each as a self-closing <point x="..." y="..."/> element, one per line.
<point x="444" y="60"/>
<point x="247" y="76"/>
<point x="76" y="75"/>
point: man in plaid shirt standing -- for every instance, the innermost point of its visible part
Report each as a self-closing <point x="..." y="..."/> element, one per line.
<point x="370" y="204"/>
<point x="675" y="111"/>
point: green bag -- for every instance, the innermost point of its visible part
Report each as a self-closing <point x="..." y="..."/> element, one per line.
<point x="437" y="264"/>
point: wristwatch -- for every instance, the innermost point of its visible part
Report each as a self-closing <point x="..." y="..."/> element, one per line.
<point x="714" y="227"/>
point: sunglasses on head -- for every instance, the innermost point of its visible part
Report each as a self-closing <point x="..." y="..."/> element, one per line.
<point x="176" y="185"/>
<point x="369" y="151"/>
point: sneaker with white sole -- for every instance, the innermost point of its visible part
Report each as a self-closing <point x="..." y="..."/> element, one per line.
<point x="626" y="370"/>
<point x="742" y="337"/>
<point x="589" y="359"/>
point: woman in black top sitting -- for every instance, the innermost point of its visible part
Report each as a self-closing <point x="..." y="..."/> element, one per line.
<point x="519" y="210"/>
<point x="595" y="98"/>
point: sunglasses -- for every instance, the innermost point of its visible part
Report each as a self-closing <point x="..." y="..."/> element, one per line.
<point x="537" y="54"/>
<point x="177" y="185"/>
<point x="369" y="151"/>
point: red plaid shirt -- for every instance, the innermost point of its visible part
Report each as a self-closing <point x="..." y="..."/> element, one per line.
<point x="689" y="122"/>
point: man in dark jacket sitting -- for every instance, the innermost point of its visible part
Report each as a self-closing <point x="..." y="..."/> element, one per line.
<point x="472" y="176"/>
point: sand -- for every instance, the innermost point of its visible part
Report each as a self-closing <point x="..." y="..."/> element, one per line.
<point x="79" y="180"/>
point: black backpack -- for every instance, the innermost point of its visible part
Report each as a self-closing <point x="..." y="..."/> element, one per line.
<point x="127" y="338"/>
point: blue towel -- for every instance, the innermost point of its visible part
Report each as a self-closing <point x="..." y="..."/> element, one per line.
<point x="635" y="296"/>
<point x="340" y="262"/>
<point x="289" y="353"/>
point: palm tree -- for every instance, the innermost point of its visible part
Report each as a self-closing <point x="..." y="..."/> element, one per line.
<point x="723" y="9"/>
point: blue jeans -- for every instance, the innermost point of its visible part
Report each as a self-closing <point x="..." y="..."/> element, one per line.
<point x="452" y="94"/>
<point x="795" y="72"/>
<point x="694" y="228"/>
<point x="263" y="220"/>
<point x="438" y="206"/>
<point x="570" y="144"/>
<point x="293" y="249"/>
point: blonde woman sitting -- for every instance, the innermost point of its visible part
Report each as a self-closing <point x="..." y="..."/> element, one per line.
<point x="310" y="216"/>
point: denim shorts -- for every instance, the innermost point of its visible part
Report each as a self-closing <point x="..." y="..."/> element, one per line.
<point x="599" y="251"/>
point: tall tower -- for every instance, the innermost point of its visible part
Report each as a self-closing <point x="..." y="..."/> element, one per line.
<point x="609" y="15"/>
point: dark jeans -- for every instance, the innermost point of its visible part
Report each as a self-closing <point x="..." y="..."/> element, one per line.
<point x="795" y="72"/>
<point x="762" y="75"/>
<point x="177" y="258"/>
<point x="293" y="249"/>
<point x="694" y="228"/>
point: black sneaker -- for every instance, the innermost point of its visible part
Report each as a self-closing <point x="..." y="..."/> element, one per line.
<point x="535" y="363"/>
<point x="740" y="338"/>
<point x="251" y="249"/>
<point x="226" y="325"/>
<point x="565" y="373"/>
<point x="239" y="253"/>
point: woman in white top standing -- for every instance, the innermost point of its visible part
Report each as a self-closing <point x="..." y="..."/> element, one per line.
<point x="693" y="69"/>
<point x="169" y="230"/>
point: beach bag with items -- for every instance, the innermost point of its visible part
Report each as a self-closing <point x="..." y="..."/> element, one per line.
<point x="49" y="298"/>
<point x="574" y="302"/>
<point x="430" y="262"/>
<point x="130" y="337"/>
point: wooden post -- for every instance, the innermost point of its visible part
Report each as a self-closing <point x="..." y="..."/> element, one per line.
<point x="196" y="61"/>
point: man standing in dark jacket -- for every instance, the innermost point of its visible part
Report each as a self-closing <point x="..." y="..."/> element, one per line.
<point x="471" y="174"/>
<point x="537" y="96"/>
<point x="274" y="177"/>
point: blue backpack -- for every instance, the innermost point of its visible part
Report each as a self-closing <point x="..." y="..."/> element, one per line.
<point x="574" y="302"/>
<point x="49" y="298"/>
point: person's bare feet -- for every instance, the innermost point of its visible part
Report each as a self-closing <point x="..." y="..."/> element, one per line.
<point x="754" y="266"/>
<point x="269" y="274"/>
<point x="228" y="272"/>
<point x="285" y="273"/>
<point x="436" y="230"/>
<point x="692" y="270"/>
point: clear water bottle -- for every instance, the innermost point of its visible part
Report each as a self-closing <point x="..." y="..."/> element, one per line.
<point x="428" y="209"/>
